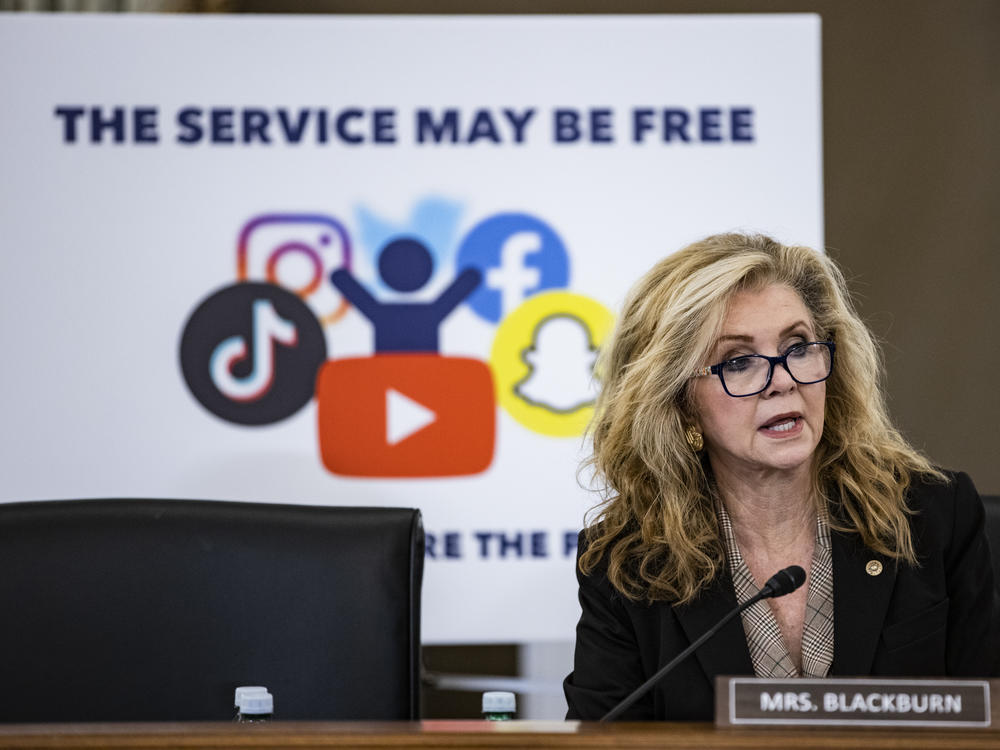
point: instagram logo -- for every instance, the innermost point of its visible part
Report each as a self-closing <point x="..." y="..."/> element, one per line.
<point x="297" y="252"/>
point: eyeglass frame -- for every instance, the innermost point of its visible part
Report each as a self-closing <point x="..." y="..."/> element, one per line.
<point x="772" y="361"/>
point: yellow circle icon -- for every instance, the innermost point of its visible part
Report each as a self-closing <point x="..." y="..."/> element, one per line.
<point x="543" y="361"/>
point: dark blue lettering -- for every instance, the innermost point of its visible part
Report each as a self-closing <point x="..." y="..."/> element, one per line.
<point x="222" y="126"/>
<point x="115" y="123"/>
<point x="447" y="129"/>
<point x="601" y="126"/>
<point x="384" y="126"/>
<point x="322" y="126"/>
<point x="483" y="127"/>
<point x="642" y="121"/>
<point x="518" y="122"/>
<point x="567" y="126"/>
<point x="341" y="125"/>
<point x="741" y="124"/>
<point x="293" y="130"/>
<point x="189" y="120"/>
<point x="255" y="122"/>
<point x="539" y="544"/>
<point x="70" y="115"/>
<point x="430" y="541"/>
<point x="675" y="121"/>
<point x="510" y="543"/>
<point x="144" y="125"/>
<point x="484" y="541"/>
<point x="708" y="120"/>
<point x="452" y="545"/>
<point x="570" y="539"/>
<point x="447" y="545"/>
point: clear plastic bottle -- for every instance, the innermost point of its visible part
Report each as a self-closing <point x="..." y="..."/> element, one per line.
<point x="499" y="705"/>
<point x="253" y="704"/>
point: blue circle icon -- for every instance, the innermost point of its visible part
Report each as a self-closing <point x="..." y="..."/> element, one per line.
<point x="518" y="256"/>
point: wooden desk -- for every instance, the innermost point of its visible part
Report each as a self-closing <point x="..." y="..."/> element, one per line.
<point x="479" y="734"/>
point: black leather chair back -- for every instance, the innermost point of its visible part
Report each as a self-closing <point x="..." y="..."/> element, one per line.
<point x="156" y="610"/>
<point x="992" y="503"/>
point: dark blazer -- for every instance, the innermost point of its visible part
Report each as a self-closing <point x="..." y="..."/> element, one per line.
<point x="938" y="619"/>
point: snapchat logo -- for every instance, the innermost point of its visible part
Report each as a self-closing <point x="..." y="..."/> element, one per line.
<point x="561" y="361"/>
<point x="543" y="361"/>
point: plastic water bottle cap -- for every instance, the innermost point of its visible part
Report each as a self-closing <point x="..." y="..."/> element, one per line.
<point x="257" y="703"/>
<point x="498" y="702"/>
<point x="248" y="690"/>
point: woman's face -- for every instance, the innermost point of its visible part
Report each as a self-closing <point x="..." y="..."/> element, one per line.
<point x="778" y="429"/>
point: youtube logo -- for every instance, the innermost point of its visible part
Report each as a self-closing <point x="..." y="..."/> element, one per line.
<point x="406" y="415"/>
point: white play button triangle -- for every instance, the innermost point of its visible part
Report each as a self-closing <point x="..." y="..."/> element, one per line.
<point x="404" y="416"/>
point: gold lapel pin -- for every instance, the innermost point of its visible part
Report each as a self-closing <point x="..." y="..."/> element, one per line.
<point x="873" y="568"/>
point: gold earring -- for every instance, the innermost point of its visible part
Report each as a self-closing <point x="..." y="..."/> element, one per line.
<point x="694" y="438"/>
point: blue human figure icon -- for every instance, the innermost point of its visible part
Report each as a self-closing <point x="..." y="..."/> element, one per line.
<point x="405" y="265"/>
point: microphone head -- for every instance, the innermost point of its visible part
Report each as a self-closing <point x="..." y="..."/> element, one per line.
<point x="784" y="582"/>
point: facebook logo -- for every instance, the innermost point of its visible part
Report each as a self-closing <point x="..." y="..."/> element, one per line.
<point x="518" y="255"/>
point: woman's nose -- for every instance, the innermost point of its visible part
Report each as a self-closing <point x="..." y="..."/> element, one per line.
<point x="781" y="380"/>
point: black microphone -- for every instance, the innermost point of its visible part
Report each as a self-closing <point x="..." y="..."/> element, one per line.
<point x="783" y="582"/>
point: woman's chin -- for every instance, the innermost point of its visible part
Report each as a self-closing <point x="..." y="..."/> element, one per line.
<point x="789" y="460"/>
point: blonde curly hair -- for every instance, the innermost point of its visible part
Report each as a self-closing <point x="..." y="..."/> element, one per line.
<point x="656" y="527"/>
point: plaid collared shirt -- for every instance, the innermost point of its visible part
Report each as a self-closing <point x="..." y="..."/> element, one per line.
<point x="767" y="648"/>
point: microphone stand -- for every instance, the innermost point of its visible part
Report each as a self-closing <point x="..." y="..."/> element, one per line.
<point x="618" y="710"/>
<point x="783" y="582"/>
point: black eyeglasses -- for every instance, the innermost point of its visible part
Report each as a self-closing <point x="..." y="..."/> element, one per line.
<point x="807" y="363"/>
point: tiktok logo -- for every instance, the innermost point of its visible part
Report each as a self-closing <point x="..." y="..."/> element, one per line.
<point x="519" y="256"/>
<point x="250" y="353"/>
<point x="268" y="330"/>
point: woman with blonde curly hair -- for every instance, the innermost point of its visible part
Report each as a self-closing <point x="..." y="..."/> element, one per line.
<point x="741" y="428"/>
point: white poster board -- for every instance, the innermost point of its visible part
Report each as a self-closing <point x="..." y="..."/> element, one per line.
<point x="197" y="215"/>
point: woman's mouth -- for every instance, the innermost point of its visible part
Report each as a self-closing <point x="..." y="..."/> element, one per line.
<point x="783" y="426"/>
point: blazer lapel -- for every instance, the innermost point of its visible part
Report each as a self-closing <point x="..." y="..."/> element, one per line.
<point x="726" y="653"/>
<point x="860" y="601"/>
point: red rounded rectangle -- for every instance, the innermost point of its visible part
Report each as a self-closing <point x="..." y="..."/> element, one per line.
<point x="406" y="415"/>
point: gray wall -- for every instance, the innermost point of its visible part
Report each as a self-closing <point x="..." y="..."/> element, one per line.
<point x="912" y="117"/>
